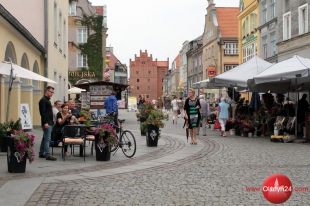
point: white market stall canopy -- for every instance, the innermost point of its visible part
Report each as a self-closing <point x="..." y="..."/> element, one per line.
<point x="292" y="68"/>
<point x="207" y="84"/>
<point x="238" y="76"/>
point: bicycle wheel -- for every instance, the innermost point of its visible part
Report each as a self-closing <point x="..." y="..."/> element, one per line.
<point x="115" y="145"/>
<point x="128" y="143"/>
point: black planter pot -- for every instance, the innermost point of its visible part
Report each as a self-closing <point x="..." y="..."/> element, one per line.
<point x="102" y="152"/>
<point x="3" y="144"/>
<point x="13" y="165"/>
<point x="152" y="135"/>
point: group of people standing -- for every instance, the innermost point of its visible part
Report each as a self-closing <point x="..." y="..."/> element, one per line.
<point x="53" y="119"/>
<point x="196" y="111"/>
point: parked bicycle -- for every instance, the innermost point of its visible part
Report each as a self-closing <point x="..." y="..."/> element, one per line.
<point x="126" y="140"/>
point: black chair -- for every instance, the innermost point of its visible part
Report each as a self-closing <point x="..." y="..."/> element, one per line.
<point x="73" y="135"/>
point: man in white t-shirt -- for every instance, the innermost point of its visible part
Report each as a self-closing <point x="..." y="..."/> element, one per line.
<point x="174" y="105"/>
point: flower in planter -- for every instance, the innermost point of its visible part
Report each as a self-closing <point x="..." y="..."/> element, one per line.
<point x="24" y="145"/>
<point x="156" y="117"/>
<point x="144" y="111"/>
<point x="106" y="135"/>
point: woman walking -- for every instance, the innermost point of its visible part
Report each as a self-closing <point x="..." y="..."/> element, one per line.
<point x="223" y="115"/>
<point x="192" y="114"/>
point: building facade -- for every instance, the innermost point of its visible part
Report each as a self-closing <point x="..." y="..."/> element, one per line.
<point x="56" y="45"/>
<point x="86" y="63"/>
<point x="147" y="76"/>
<point x="293" y="29"/>
<point x="194" y="62"/>
<point x="22" y="48"/>
<point x="268" y="30"/>
<point x="175" y="77"/>
<point x="183" y="68"/>
<point x="249" y="36"/>
<point x="118" y="70"/>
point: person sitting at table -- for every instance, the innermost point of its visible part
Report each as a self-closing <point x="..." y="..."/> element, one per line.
<point x="63" y="118"/>
<point x="74" y="111"/>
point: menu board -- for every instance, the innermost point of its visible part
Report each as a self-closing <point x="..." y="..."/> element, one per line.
<point x="85" y="100"/>
<point x="98" y="93"/>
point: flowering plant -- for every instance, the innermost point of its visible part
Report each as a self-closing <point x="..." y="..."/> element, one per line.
<point x="23" y="143"/>
<point x="144" y="111"/>
<point x="106" y="135"/>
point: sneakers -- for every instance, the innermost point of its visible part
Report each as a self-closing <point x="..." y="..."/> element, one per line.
<point x="51" y="158"/>
<point x="42" y="156"/>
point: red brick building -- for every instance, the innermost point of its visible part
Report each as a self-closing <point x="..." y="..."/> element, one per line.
<point x="146" y="76"/>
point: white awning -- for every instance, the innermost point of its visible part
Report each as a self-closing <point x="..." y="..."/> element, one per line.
<point x="18" y="71"/>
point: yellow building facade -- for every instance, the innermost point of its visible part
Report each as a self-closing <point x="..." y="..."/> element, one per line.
<point x="21" y="47"/>
<point x="249" y="37"/>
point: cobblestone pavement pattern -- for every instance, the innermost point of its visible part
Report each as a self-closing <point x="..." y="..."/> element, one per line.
<point x="216" y="173"/>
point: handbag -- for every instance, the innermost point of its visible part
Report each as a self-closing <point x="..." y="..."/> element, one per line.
<point x="217" y="124"/>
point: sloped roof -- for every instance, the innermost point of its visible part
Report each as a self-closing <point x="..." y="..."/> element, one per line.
<point x="162" y="64"/>
<point x="227" y="20"/>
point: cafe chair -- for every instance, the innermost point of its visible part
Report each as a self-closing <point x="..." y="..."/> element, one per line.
<point x="73" y="135"/>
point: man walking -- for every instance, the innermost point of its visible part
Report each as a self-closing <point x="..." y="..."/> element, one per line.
<point x="47" y="123"/>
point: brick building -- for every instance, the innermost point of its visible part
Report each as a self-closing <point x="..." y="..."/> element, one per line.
<point x="146" y="76"/>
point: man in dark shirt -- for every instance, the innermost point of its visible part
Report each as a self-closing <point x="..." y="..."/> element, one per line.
<point x="46" y="112"/>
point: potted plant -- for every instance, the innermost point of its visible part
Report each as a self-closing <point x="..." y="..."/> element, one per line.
<point x="143" y="114"/>
<point x="105" y="137"/>
<point x="6" y="129"/>
<point x="154" y="121"/>
<point x="20" y="148"/>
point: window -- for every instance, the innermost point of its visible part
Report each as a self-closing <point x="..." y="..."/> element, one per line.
<point x="273" y="43"/>
<point x="265" y="47"/>
<point x="243" y="29"/>
<point x="230" y="48"/>
<point x="60" y="31"/>
<point x="264" y="11"/>
<point x="64" y="31"/>
<point x="148" y="80"/>
<point x="137" y="72"/>
<point x="82" y="60"/>
<point x="273" y="9"/>
<point x="138" y="87"/>
<point x="149" y="72"/>
<point x="55" y="23"/>
<point x="148" y="87"/>
<point x="147" y="96"/>
<point x="72" y="8"/>
<point x="82" y="35"/>
<point x="253" y="22"/>
<point x="249" y="52"/>
<point x="303" y="19"/>
<point x="138" y="80"/>
<point x="229" y="67"/>
<point x="287" y="26"/>
<point x="246" y="25"/>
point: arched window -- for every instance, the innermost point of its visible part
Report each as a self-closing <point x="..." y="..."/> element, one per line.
<point x="25" y="64"/>
<point x="35" y="83"/>
<point x="10" y="53"/>
<point x="253" y="20"/>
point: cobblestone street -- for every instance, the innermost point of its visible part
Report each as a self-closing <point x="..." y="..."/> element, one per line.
<point x="214" y="172"/>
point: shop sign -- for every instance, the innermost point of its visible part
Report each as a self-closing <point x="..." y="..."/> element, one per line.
<point x="211" y="71"/>
<point x="82" y="74"/>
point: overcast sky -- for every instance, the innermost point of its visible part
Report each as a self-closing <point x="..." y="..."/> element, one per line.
<point x="159" y="26"/>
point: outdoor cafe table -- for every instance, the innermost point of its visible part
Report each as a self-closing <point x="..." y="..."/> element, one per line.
<point x="84" y="135"/>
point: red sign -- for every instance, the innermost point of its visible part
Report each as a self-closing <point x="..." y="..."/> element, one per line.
<point x="211" y="71"/>
<point x="277" y="188"/>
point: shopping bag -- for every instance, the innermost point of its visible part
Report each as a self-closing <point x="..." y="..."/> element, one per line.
<point x="217" y="124"/>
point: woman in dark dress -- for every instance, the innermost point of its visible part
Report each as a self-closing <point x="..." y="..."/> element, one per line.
<point x="62" y="119"/>
<point x="192" y="114"/>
